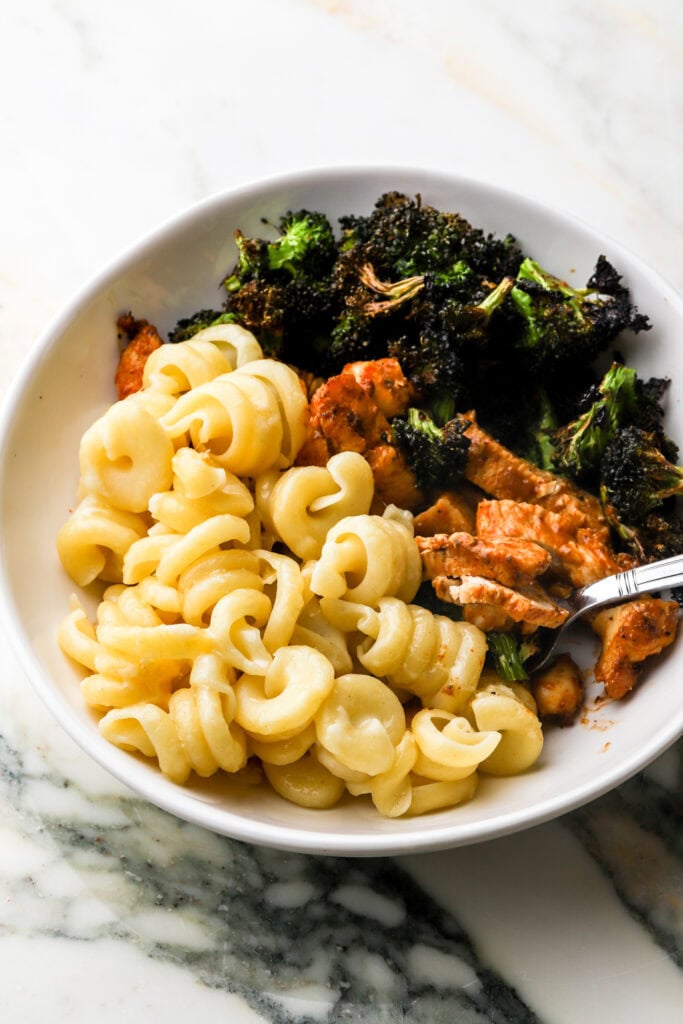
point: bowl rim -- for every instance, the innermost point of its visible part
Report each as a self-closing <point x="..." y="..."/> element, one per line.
<point x="180" y="801"/>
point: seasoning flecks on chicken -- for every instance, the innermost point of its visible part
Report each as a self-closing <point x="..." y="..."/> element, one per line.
<point x="529" y="604"/>
<point x="345" y="416"/>
<point x="385" y="382"/>
<point x="143" y="338"/>
<point x="510" y="561"/>
<point x="630" y="633"/>
<point x="394" y="481"/>
<point x="488" y="618"/>
<point x="559" y="690"/>
<point x="452" y="512"/>
<point x="580" y="554"/>
<point x="502" y="474"/>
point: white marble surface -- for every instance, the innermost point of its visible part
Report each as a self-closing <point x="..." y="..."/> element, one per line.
<point x="114" y="117"/>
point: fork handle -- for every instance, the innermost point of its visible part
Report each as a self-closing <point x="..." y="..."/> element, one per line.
<point x="643" y="579"/>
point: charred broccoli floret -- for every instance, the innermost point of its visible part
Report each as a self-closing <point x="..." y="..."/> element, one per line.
<point x="436" y="455"/>
<point x="636" y="477"/>
<point x="649" y="415"/>
<point x="532" y="434"/>
<point x="657" y="537"/>
<point x="410" y="272"/>
<point x="305" y="246"/>
<point x="579" y="445"/>
<point x="449" y="336"/>
<point x="403" y="237"/>
<point x="619" y="400"/>
<point x="563" y="325"/>
<point x="189" y="326"/>
<point x="282" y="289"/>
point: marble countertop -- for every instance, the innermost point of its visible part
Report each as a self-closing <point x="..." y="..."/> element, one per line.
<point x="114" y="118"/>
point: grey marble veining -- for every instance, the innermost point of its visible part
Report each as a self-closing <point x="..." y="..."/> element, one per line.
<point x="355" y="940"/>
<point x="636" y="836"/>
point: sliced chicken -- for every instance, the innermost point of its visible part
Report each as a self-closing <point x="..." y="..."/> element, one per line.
<point x="529" y="604"/>
<point x="630" y="633"/>
<point x="487" y="618"/>
<point x="345" y="416"/>
<point x="559" y="690"/>
<point x="452" y="512"/>
<point x="502" y="474"/>
<point x="510" y="561"/>
<point x="580" y="555"/>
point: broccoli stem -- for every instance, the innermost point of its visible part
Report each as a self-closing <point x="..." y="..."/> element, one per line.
<point x="497" y="296"/>
<point x="504" y="650"/>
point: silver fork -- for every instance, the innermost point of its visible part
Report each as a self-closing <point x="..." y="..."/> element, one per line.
<point x="644" y="579"/>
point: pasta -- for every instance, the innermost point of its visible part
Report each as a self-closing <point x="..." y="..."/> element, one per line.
<point x="248" y="420"/>
<point x="126" y="456"/>
<point x="302" y="504"/>
<point x="510" y="709"/>
<point x="365" y="558"/>
<point x="93" y="542"/>
<point x="257" y="611"/>
<point x="435" y="658"/>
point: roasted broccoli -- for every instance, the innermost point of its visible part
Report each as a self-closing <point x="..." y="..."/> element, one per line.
<point x="282" y="289"/>
<point x="417" y="283"/>
<point x="636" y="477"/>
<point x="440" y="354"/>
<point x="403" y="237"/>
<point x="619" y="400"/>
<point x="580" y="444"/>
<point x="305" y="246"/>
<point x="436" y="455"/>
<point x="507" y="657"/>
<point x="189" y="326"/>
<point x="562" y="325"/>
<point x="658" y="536"/>
<point x="533" y="431"/>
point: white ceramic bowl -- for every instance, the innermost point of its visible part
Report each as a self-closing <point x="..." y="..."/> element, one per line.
<point x="68" y="382"/>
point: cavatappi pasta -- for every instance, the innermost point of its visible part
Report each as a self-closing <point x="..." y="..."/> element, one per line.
<point x="254" y="611"/>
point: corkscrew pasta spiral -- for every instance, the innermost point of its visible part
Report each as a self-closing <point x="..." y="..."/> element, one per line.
<point x="125" y="457"/>
<point x="197" y="733"/>
<point x="432" y="656"/>
<point x="365" y="558"/>
<point x="174" y="369"/>
<point x="302" y="504"/>
<point x="248" y="420"/>
<point x="511" y="710"/>
<point x="92" y="543"/>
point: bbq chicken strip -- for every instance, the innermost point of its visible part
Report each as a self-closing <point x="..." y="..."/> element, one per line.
<point x="580" y="555"/>
<point x="630" y="633"/>
<point x="512" y="562"/>
<point x="487" y="618"/>
<point x="501" y="474"/>
<point x="345" y="418"/>
<point x="452" y="512"/>
<point x="529" y="604"/>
